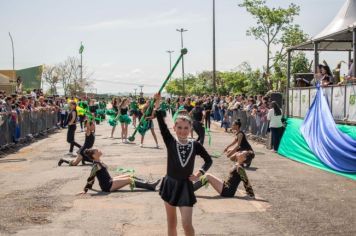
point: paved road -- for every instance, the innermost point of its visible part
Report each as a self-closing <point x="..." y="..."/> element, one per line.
<point x="38" y="198"/>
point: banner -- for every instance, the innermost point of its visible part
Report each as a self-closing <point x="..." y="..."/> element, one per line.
<point x="338" y="103"/>
<point x="296" y="103"/>
<point x="31" y="77"/>
<point x="351" y="103"/>
<point x="304" y="104"/>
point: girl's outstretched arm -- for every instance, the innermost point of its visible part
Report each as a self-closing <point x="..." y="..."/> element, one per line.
<point x="166" y="134"/>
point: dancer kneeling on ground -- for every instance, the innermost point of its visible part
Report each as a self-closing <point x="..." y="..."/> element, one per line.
<point x="88" y="143"/>
<point x="108" y="184"/>
<point x="177" y="188"/>
<point x="228" y="187"/>
<point x="239" y="144"/>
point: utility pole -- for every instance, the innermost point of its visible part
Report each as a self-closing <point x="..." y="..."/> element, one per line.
<point x="214" y="58"/>
<point x="13" y="57"/>
<point x="81" y="49"/>
<point x="170" y="58"/>
<point x="181" y="30"/>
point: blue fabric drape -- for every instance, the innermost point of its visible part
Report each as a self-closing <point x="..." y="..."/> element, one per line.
<point x="335" y="149"/>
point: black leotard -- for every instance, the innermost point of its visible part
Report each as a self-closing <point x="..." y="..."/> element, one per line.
<point x="244" y="145"/>
<point x="197" y="113"/>
<point x="181" y="157"/>
<point x="88" y="143"/>
<point x="101" y="172"/>
<point x="123" y="111"/>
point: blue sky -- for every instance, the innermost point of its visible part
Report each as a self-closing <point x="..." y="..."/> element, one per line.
<point x="126" y="41"/>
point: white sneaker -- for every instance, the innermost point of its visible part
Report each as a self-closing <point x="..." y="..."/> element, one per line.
<point x="141" y="145"/>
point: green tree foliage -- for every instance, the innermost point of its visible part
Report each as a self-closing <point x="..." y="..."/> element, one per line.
<point x="274" y="27"/>
<point x="245" y="80"/>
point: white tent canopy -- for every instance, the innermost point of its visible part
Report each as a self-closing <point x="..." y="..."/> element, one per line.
<point x="337" y="36"/>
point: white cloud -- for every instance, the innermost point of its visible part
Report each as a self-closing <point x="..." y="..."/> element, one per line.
<point x="171" y="17"/>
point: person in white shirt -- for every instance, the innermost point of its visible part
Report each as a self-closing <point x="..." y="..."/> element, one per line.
<point x="275" y="124"/>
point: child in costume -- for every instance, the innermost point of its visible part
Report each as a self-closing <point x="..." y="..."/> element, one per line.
<point x="72" y="126"/>
<point x="177" y="188"/>
<point x="229" y="187"/>
<point x="134" y="111"/>
<point x="88" y="143"/>
<point x="198" y="116"/>
<point x="147" y="125"/>
<point x="106" y="182"/>
<point x="124" y="119"/>
<point x="113" y="114"/>
<point x="239" y="144"/>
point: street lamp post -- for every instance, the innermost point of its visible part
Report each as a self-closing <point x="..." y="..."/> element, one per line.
<point x="135" y="92"/>
<point x="181" y="30"/>
<point x="13" y="56"/>
<point x="170" y="58"/>
<point x="214" y="59"/>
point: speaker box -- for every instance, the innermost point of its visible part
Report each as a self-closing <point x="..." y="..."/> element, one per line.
<point x="278" y="98"/>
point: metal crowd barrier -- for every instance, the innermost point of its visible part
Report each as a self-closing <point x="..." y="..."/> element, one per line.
<point x="30" y="123"/>
<point x="251" y="124"/>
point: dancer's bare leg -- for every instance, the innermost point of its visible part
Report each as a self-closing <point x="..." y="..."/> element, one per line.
<point x="171" y="213"/>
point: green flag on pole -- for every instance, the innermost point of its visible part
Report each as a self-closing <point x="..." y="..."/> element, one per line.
<point x="81" y="49"/>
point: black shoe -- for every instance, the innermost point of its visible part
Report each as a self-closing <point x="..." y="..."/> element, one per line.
<point x="60" y="162"/>
<point x="146" y="185"/>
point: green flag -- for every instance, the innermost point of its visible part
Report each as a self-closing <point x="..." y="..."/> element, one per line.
<point x="81" y="49"/>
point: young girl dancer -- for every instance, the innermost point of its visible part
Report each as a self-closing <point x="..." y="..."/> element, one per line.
<point x="240" y="143"/>
<point x="72" y="126"/>
<point x="134" y="111"/>
<point x="124" y="119"/>
<point x="108" y="184"/>
<point x="149" y="126"/>
<point x="177" y="189"/>
<point x="237" y="174"/>
<point x="115" y="107"/>
<point x="88" y="143"/>
<point x="198" y="116"/>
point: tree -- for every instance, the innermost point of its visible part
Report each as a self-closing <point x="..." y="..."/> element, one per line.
<point x="50" y="77"/>
<point x="69" y="75"/>
<point x="271" y="23"/>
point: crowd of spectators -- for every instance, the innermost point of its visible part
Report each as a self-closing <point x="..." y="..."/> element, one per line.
<point x="252" y="111"/>
<point x="257" y="114"/>
<point x="29" y="113"/>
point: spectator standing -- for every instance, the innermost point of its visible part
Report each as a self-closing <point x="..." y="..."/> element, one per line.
<point x="275" y="125"/>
